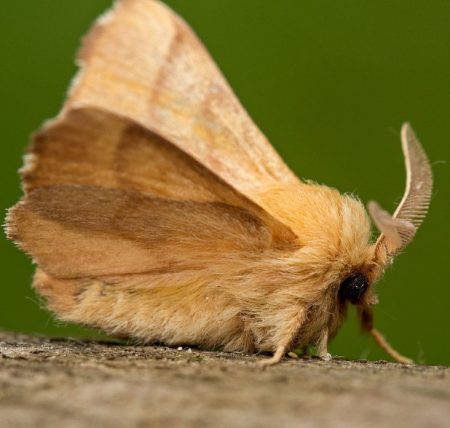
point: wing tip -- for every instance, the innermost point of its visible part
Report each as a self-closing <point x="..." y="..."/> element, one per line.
<point x="11" y="225"/>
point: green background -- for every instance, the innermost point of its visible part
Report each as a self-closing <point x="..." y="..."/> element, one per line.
<point x="329" y="82"/>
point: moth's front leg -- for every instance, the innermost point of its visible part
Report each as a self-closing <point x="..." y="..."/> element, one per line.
<point x="322" y="346"/>
<point x="285" y="337"/>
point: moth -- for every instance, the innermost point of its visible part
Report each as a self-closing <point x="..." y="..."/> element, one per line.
<point x="155" y="209"/>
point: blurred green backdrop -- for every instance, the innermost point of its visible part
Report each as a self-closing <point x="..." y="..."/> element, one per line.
<point x="330" y="84"/>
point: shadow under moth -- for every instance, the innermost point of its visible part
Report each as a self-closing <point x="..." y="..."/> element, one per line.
<point x="155" y="209"/>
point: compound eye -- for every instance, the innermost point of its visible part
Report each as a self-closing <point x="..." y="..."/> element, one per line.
<point x="353" y="287"/>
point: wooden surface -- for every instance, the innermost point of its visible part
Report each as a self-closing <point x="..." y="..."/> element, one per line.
<point x="68" y="383"/>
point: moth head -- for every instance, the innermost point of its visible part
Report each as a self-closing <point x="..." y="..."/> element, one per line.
<point x="354" y="287"/>
<point x="357" y="287"/>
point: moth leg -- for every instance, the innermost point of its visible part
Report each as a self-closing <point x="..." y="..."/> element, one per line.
<point x="293" y="355"/>
<point x="276" y="358"/>
<point x="322" y="346"/>
<point x="366" y="318"/>
<point x="384" y="345"/>
<point x="286" y="338"/>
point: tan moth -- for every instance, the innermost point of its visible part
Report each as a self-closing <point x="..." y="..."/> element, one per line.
<point x="155" y="209"/>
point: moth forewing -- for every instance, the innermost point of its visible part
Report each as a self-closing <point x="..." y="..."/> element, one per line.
<point x="145" y="63"/>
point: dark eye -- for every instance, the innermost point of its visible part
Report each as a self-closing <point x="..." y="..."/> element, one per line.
<point x="353" y="287"/>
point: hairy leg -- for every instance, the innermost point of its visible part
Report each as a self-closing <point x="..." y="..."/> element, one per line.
<point x="286" y="336"/>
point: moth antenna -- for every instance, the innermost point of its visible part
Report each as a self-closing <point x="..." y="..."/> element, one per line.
<point x="394" y="232"/>
<point x="398" y="230"/>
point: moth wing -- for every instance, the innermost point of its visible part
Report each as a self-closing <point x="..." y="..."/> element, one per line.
<point x="80" y="231"/>
<point x="152" y="166"/>
<point x="91" y="147"/>
<point x="143" y="62"/>
<point x="107" y="196"/>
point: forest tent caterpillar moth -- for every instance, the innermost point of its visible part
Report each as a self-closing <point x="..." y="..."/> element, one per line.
<point x="155" y="209"/>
